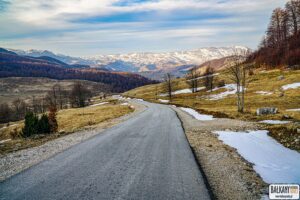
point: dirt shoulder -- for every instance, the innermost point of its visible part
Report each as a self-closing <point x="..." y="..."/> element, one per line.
<point x="15" y="162"/>
<point x="228" y="174"/>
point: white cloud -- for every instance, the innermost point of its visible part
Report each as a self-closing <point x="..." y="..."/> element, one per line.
<point x="54" y="24"/>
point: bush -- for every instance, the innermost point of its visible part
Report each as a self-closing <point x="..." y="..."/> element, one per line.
<point x="52" y="119"/>
<point x="221" y="83"/>
<point x="43" y="124"/>
<point x="31" y="125"/>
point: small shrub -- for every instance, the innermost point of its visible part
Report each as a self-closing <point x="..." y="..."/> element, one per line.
<point x="43" y="124"/>
<point x="221" y="83"/>
<point x="31" y="125"/>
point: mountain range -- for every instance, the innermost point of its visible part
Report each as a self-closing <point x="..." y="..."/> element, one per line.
<point x="152" y="65"/>
<point x="14" y="65"/>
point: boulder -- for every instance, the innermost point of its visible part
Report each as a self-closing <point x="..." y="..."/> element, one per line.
<point x="280" y="77"/>
<point x="266" y="111"/>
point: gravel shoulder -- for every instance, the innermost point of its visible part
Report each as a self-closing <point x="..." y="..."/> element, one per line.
<point x="15" y="162"/>
<point x="228" y="174"/>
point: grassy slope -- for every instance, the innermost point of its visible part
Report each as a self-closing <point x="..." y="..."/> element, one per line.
<point x="69" y="120"/>
<point x="260" y="81"/>
<point x="26" y="87"/>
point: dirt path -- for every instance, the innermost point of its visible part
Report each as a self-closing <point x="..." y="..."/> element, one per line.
<point x="229" y="175"/>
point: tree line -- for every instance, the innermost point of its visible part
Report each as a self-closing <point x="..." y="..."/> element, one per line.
<point x="281" y="44"/>
<point x="58" y="98"/>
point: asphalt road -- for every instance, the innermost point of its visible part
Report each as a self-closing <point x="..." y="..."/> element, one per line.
<point x="145" y="157"/>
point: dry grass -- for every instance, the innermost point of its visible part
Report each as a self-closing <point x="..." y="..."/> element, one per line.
<point x="69" y="120"/>
<point x="261" y="81"/>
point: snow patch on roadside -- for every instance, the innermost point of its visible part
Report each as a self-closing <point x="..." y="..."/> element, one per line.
<point x="291" y="86"/>
<point x="197" y="115"/>
<point x="272" y="161"/>
<point x="275" y="122"/>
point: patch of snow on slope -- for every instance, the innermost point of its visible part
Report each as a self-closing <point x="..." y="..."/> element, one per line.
<point x="272" y="161"/>
<point x="163" y="100"/>
<point x="294" y="110"/>
<point x="99" y="104"/>
<point x="197" y="115"/>
<point x="275" y="122"/>
<point x="291" y="86"/>
<point x="264" y="92"/>
<point x="231" y="89"/>
<point x="183" y="91"/>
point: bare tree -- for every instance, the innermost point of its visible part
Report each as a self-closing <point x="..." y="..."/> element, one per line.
<point x="209" y="78"/>
<point x="193" y="79"/>
<point x="169" y="84"/>
<point x="5" y="113"/>
<point x="293" y="11"/>
<point x="79" y="94"/>
<point x="19" y="108"/>
<point x="238" y="73"/>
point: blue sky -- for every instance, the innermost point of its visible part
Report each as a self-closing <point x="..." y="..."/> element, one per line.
<point x="91" y="27"/>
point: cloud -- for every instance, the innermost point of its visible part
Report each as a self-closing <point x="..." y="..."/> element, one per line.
<point x="136" y="25"/>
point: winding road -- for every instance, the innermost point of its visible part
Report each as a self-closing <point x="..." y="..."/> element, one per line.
<point x="145" y="157"/>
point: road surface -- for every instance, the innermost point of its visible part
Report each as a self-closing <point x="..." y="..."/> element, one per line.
<point x="145" y="157"/>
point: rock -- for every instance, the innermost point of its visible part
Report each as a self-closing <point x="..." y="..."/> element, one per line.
<point x="280" y="77"/>
<point x="266" y="111"/>
<point x="281" y="94"/>
<point x="298" y="130"/>
<point x="286" y="117"/>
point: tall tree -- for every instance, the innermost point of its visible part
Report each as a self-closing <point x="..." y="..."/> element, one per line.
<point x="238" y="73"/>
<point x="209" y="78"/>
<point x="192" y="79"/>
<point x="169" y="85"/>
<point x="79" y="94"/>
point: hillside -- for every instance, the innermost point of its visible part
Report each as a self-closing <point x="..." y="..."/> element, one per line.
<point x="216" y="64"/>
<point x="25" y="88"/>
<point x="12" y="65"/>
<point x="276" y="88"/>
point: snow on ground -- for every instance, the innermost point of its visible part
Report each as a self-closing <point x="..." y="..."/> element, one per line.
<point x="3" y="141"/>
<point x="291" y="86"/>
<point x="139" y="99"/>
<point x="183" y="91"/>
<point x="275" y="122"/>
<point x="264" y="92"/>
<point x="124" y="104"/>
<point x="294" y="110"/>
<point x="197" y="115"/>
<point x="231" y="89"/>
<point x="272" y="161"/>
<point x="163" y="100"/>
<point x="99" y="104"/>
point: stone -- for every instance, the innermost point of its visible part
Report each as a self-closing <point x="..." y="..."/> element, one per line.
<point x="266" y="111"/>
<point x="280" y="77"/>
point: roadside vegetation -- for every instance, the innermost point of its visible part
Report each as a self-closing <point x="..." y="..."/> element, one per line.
<point x="59" y="112"/>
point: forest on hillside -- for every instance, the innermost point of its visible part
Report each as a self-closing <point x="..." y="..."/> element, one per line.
<point x="281" y="44"/>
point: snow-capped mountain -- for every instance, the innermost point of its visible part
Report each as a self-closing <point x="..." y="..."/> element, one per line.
<point x="145" y="62"/>
<point x="38" y="53"/>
